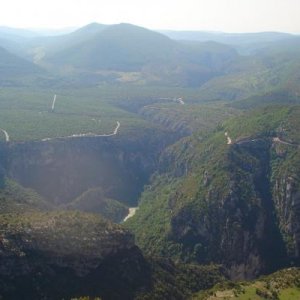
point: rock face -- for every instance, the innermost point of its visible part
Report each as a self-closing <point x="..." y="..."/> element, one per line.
<point x="62" y="170"/>
<point x="286" y="195"/>
<point x="235" y="205"/>
<point x="287" y="199"/>
<point x="63" y="255"/>
<point x="67" y="255"/>
<point x="237" y="226"/>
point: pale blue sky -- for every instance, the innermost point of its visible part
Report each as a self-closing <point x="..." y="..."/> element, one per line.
<point x="217" y="15"/>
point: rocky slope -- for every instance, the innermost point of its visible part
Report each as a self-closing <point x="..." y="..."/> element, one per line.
<point x="94" y="201"/>
<point x="186" y="118"/>
<point x="68" y="255"/>
<point x="226" y="200"/>
<point x="63" y="255"/>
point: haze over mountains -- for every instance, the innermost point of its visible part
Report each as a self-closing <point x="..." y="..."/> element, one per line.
<point x="146" y="57"/>
<point x="137" y="164"/>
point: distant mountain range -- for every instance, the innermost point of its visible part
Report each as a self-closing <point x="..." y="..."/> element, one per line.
<point x="227" y="38"/>
<point x="225" y="66"/>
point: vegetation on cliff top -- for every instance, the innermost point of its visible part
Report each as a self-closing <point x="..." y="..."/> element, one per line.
<point x="15" y="198"/>
<point x="282" y="285"/>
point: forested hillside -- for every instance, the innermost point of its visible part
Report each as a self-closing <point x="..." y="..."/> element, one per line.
<point x="137" y="164"/>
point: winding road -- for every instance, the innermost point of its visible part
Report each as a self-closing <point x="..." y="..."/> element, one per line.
<point x="6" y="134"/>
<point x="77" y="135"/>
<point x="246" y="140"/>
<point x="89" y="134"/>
<point x="116" y="129"/>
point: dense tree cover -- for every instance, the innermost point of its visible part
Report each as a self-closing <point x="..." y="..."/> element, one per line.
<point x="282" y="285"/>
<point x="205" y="180"/>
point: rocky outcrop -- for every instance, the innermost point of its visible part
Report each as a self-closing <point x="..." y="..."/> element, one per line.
<point x="235" y="205"/>
<point x="286" y="195"/>
<point x="62" y="255"/>
<point x="67" y="255"/>
<point x="287" y="200"/>
<point x="236" y="225"/>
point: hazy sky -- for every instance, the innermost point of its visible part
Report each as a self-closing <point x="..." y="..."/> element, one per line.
<point x="220" y="15"/>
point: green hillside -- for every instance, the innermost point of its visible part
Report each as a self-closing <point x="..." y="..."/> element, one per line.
<point x="16" y="199"/>
<point x="195" y="143"/>
<point x="206" y="203"/>
<point x="14" y="66"/>
<point x="121" y="47"/>
<point x="282" y="285"/>
<point x="272" y="69"/>
<point x="94" y="201"/>
<point x="40" y="46"/>
<point x="132" y="53"/>
<point x="227" y="38"/>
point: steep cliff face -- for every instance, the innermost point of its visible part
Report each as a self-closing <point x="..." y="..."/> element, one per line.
<point x="61" y="170"/>
<point x="63" y="255"/>
<point x="235" y="224"/>
<point x="225" y="200"/>
<point x="286" y="195"/>
<point x="67" y="255"/>
<point x="228" y="197"/>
